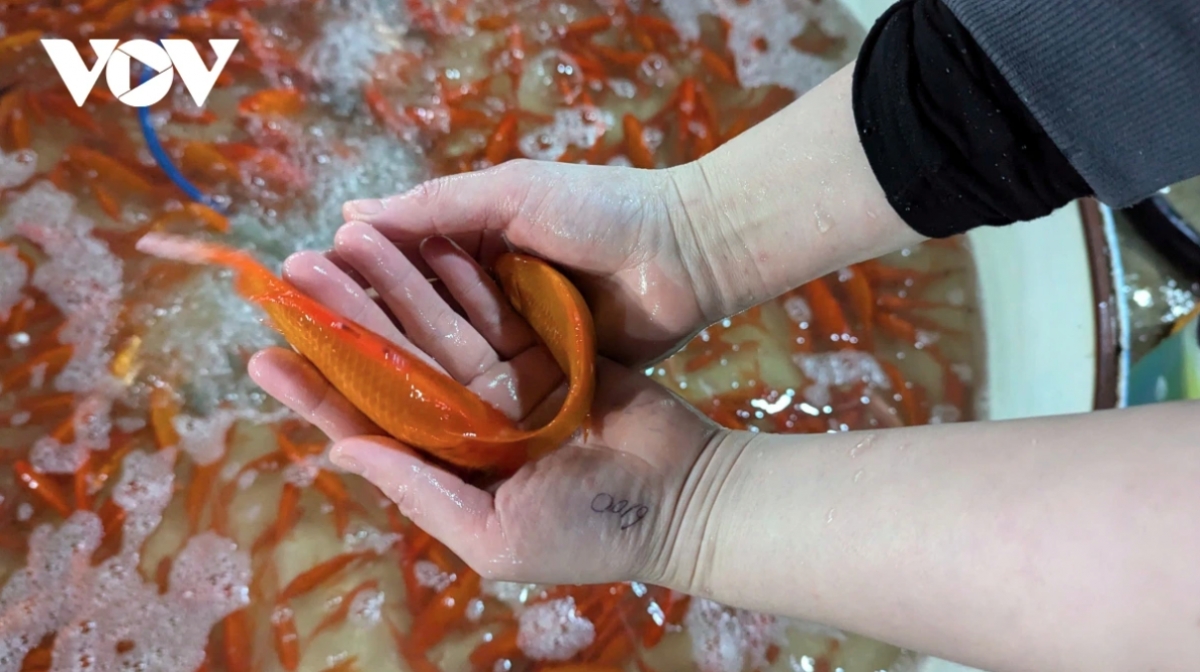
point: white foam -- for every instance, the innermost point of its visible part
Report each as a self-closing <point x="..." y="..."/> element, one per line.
<point x="201" y="336"/>
<point x="106" y="617"/>
<point x="963" y="371"/>
<point x="43" y="204"/>
<point x="302" y="474"/>
<point x="944" y="414"/>
<point x="366" y="609"/>
<point x="13" y="276"/>
<point x="203" y="438"/>
<point x="92" y="420"/>
<point x="17" y="167"/>
<point x="924" y="339"/>
<point x="510" y="593"/>
<point x="773" y="22"/>
<point x="83" y="279"/>
<point x="798" y="310"/>
<point x="842" y="368"/>
<point x="362" y="537"/>
<point x="354" y="34"/>
<point x="430" y="575"/>
<point x="145" y="489"/>
<point x="685" y="14"/>
<point x="577" y="127"/>
<point x="246" y="479"/>
<point x="340" y="166"/>
<point x="42" y="597"/>
<point x="554" y="630"/>
<point x="48" y="456"/>
<point x="623" y="88"/>
<point x="128" y="424"/>
<point x="1179" y="301"/>
<point x="730" y="640"/>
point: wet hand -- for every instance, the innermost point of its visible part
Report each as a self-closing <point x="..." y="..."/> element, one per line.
<point x="624" y="235"/>
<point x="605" y="507"/>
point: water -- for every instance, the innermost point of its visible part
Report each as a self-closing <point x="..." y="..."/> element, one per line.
<point x="189" y="502"/>
<point x="781" y="368"/>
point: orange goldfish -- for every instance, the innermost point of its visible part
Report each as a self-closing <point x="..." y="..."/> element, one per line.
<point x="409" y="399"/>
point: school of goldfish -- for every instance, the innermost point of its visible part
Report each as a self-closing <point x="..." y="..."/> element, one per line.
<point x="151" y="519"/>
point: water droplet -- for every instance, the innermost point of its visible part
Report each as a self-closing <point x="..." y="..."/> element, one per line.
<point x="824" y="223"/>
<point x="858" y="475"/>
<point x="862" y="445"/>
<point x="829" y="516"/>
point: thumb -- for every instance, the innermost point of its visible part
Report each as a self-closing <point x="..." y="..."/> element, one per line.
<point x="455" y="513"/>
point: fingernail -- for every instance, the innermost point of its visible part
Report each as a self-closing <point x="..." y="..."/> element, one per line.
<point x="370" y="206"/>
<point x="305" y="260"/>
<point x="341" y="457"/>
<point x="425" y="244"/>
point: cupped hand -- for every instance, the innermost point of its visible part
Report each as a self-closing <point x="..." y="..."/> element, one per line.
<point x="624" y="235"/>
<point x="609" y="505"/>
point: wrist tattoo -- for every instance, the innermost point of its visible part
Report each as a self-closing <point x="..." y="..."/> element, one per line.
<point x="627" y="513"/>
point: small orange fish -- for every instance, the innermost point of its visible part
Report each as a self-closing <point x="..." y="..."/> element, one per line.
<point x="406" y="397"/>
<point x="17" y="41"/>
<point x="43" y="487"/>
<point x="238" y="651"/>
<point x="282" y="102"/>
<point x="585" y="28"/>
<point x="635" y="143"/>
<point x="503" y="140"/>
<point x="345" y="601"/>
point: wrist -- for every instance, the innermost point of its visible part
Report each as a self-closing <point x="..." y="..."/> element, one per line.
<point x="788" y="201"/>
<point x="698" y="517"/>
<point x="700" y="235"/>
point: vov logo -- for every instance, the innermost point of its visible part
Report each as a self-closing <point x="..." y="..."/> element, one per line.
<point x="171" y="56"/>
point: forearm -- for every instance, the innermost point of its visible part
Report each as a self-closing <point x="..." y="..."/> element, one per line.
<point x="789" y="200"/>
<point x="974" y="541"/>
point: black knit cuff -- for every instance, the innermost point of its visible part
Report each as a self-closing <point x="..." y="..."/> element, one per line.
<point x="950" y="142"/>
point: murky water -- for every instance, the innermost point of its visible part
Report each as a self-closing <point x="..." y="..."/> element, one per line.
<point x="159" y="513"/>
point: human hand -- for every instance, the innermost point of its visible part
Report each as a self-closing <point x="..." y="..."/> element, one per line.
<point x="623" y="235"/>
<point x="599" y="509"/>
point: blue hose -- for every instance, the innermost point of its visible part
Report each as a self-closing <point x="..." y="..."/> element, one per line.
<point x="160" y="154"/>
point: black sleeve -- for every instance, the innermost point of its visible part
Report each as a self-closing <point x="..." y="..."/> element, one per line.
<point x="950" y="142"/>
<point x="1115" y="83"/>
